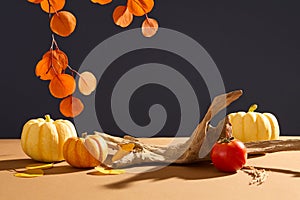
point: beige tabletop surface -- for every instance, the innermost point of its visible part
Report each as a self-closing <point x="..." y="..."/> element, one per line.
<point x="197" y="181"/>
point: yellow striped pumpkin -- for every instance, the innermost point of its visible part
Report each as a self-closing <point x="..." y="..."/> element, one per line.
<point x="254" y="126"/>
<point x="43" y="139"/>
<point x="87" y="152"/>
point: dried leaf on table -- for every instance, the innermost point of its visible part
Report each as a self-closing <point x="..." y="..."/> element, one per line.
<point x="109" y="171"/>
<point x="39" y="166"/>
<point x="124" y="149"/>
<point x="127" y="147"/>
<point x="30" y="173"/>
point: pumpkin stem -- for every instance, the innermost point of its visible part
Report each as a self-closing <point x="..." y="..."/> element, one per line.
<point x="83" y="135"/>
<point x="48" y="118"/>
<point x="252" y="108"/>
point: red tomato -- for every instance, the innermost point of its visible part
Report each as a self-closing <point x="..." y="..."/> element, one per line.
<point x="229" y="156"/>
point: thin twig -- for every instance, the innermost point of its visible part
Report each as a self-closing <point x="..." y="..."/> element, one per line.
<point x="73" y="70"/>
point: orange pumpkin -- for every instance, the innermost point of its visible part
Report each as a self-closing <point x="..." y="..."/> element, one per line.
<point x="87" y="152"/>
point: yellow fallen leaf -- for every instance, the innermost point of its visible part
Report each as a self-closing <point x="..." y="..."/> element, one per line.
<point x="40" y="166"/>
<point x="109" y="171"/>
<point x="127" y="147"/>
<point x="30" y="173"/>
<point x="124" y="149"/>
<point x="119" y="154"/>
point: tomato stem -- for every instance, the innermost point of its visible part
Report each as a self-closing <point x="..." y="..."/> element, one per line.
<point x="228" y="135"/>
<point x="228" y="130"/>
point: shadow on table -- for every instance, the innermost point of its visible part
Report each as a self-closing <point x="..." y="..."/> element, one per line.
<point x="22" y="163"/>
<point x="65" y="169"/>
<point x="15" y="164"/>
<point x="203" y="170"/>
<point x="295" y="174"/>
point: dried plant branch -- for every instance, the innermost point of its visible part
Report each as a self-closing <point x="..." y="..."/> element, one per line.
<point x="189" y="149"/>
<point x="259" y="176"/>
<point x="198" y="146"/>
<point x="271" y="146"/>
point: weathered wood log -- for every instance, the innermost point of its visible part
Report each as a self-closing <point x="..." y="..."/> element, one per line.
<point x="271" y="146"/>
<point x="198" y="146"/>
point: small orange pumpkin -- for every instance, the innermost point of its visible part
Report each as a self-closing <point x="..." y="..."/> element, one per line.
<point x="86" y="152"/>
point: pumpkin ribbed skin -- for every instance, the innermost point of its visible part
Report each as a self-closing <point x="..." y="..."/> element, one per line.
<point x="43" y="139"/>
<point x="254" y="126"/>
<point x="85" y="152"/>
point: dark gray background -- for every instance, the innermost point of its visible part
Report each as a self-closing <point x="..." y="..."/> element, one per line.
<point x="254" y="43"/>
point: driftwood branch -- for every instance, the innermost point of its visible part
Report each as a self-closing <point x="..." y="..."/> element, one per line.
<point x="272" y="146"/>
<point x="198" y="146"/>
